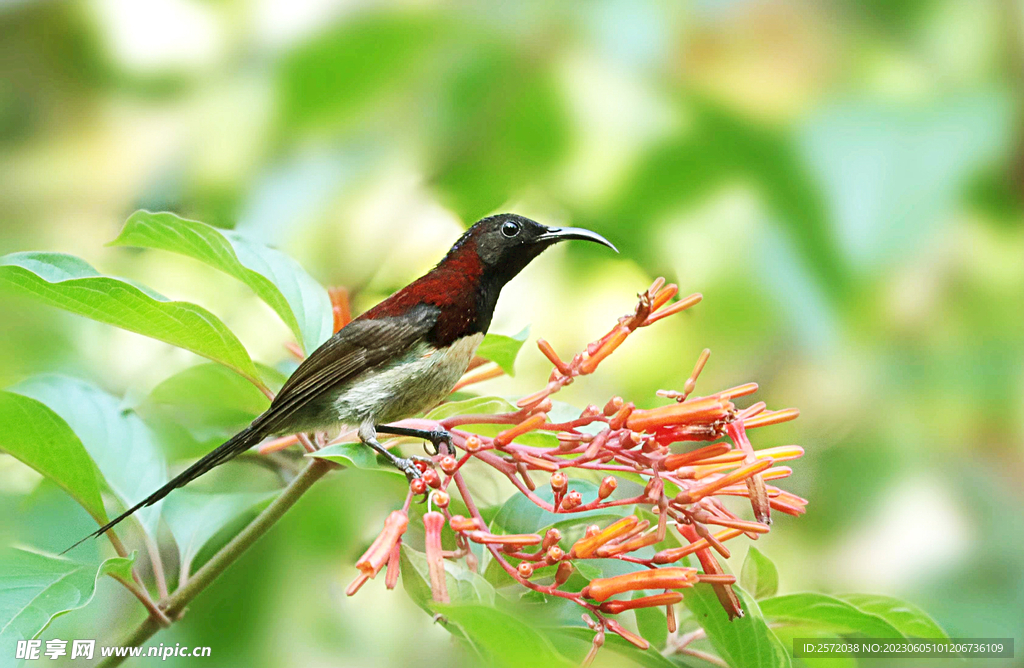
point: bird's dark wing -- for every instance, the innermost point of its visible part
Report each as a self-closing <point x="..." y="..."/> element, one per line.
<point x="359" y="346"/>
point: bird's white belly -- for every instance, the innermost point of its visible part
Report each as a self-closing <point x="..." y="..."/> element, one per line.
<point x="420" y="380"/>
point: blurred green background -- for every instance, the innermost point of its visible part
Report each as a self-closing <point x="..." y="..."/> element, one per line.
<point x="843" y="182"/>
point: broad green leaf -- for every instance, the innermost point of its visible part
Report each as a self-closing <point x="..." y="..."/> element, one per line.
<point x="502" y="639"/>
<point x="118" y="441"/>
<point x="503" y="350"/>
<point x="759" y="575"/>
<point x="195" y="518"/>
<point x="827" y="612"/>
<point x="521" y="515"/>
<point x="651" y="623"/>
<point x="277" y="279"/>
<point x="474" y="406"/>
<point x="464" y="586"/>
<point x="70" y="283"/>
<point x="742" y="642"/>
<point x="35" y="435"/>
<point x="35" y="588"/>
<point x="912" y="621"/>
<point x="208" y="399"/>
<point x="357" y="455"/>
<point x="789" y="633"/>
<point x="574" y="643"/>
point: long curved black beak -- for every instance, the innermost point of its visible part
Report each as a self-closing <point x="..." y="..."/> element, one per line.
<point x="564" y="233"/>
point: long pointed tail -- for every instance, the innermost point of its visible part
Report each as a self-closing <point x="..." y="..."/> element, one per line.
<point x="238" y="444"/>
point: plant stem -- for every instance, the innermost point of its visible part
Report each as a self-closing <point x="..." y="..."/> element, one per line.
<point x="176" y="602"/>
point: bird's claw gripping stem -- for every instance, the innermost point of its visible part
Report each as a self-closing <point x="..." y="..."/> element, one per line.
<point x="437" y="437"/>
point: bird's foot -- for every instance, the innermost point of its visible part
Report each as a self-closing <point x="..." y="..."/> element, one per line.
<point x="407" y="465"/>
<point x="437" y="437"/>
<point x="441" y="439"/>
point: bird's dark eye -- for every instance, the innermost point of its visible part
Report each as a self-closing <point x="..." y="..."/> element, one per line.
<point x="510" y="229"/>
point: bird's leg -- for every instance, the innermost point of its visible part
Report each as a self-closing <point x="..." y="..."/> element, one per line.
<point x="436" y="436"/>
<point x="407" y="465"/>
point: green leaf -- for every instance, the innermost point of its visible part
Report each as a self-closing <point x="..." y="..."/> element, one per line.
<point x="759" y="574"/>
<point x="500" y="638"/>
<point x="827" y="612"/>
<point x="195" y="518"/>
<point x="70" y="283"/>
<point x="208" y="400"/>
<point x="574" y="643"/>
<point x="651" y="623"/>
<point x="35" y="588"/>
<point x="277" y="279"/>
<point x="742" y="642"/>
<point x="913" y="622"/>
<point x="119" y="567"/>
<point x="502" y="350"/>
<point x="118" y="441"/>
<point x="521" y="515"/>
<point x="474" y="406"/>
<point x="35" y="435"/>
<point x="356" y="455"/>
<point x="464" y="586"/>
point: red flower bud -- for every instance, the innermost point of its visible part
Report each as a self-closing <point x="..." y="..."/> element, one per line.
<point x="431" y="477"/>
<point x="565" y="569"/>
<point x="558" y="481"/>
<point x="449" y="464"/>
<point x="472" y="443"/>
<point x="572" y="500"/>
<point x="418" y="486"/>
<point x="525" y="569"/>
<point x="551" y="538"/>
<point x="554" y="554"/>
<point x="608" y="486"/>
<point x="441" y="499"/>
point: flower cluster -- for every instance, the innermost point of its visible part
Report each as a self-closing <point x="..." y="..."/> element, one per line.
<point x="682" y="495"/>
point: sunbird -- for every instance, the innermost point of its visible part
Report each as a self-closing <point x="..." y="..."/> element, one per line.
<point x="401" y="357"/>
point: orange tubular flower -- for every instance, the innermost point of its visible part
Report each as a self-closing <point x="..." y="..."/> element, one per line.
<point x="659" y="578"/>
<point x="707" y="453"/>
<point x="529" y="424"/>
<point x="696" y="493"/>
<point x="772" y="417"/>
<point x="668" y="598"/>
<point x="515" y="540"/>
<point x="612" y="440"/>
<point x="618" y="335"/>
<point x="380" y="550"/>
<point x="586" y="546"/>
<point x="676" y="553"/>
<point x="702" y="411"/>
<point x="433" y="522"/>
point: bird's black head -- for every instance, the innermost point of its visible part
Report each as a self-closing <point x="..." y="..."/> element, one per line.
<point x="506" y="243"/>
